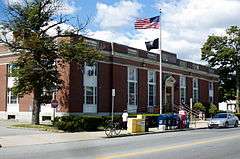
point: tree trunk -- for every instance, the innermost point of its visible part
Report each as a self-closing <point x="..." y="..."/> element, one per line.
<point x="36" y="108"/>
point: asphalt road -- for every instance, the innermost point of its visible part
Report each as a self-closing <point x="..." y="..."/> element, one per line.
<point x="198" y="144"/>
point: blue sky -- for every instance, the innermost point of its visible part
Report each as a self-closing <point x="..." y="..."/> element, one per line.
<point x="186" y="24"/>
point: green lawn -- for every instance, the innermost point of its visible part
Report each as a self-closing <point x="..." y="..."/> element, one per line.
<point x="49" y="128"/>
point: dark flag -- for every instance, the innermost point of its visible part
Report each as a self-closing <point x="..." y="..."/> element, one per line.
<point x="152" y="44"/>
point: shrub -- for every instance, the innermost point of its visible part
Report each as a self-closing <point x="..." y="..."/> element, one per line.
<point x="91" y="123"/>
<point x="68" y="123"/>
<point x="152" y="121"/>
<point x="79" y="123"/>
<point x="199" y="106"/>
<point x="213" y="109"/>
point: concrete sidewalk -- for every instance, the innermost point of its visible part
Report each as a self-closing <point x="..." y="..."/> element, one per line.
<point x="48" y="138"/>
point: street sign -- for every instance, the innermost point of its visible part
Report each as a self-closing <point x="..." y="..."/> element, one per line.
<point x="54" y="103"/>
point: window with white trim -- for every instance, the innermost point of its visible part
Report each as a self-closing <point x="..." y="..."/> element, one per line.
<point x="182" y="89"/>
<point x="151" y="88"/>
<point x="10" y="68"/>
<point x="90" y="70"/>
<point x="195" y="90"/>
<point x="90" y="95"/>
<point x="11" y="98"/>
<point x="210" y="92"/>
<point x="132" y="86"/>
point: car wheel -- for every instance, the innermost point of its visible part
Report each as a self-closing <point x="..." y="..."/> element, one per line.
<point x="236" y="124"/>
<point x="226" y="125"/>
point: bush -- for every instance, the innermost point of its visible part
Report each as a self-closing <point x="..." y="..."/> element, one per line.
<point x="213" y="109"/>
<point x="68" y="123"/>
<point x="91" y="123"/>
<point x="82" y="123"/>
<point x="152" y="121"/>
<point x="199" y="106"/>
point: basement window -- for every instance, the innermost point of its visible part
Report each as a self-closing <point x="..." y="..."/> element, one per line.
<point x="46" y="118"/>
<point x="11" y="117"/>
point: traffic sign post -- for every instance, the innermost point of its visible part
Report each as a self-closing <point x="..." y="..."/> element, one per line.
<point x="54" y="105"/>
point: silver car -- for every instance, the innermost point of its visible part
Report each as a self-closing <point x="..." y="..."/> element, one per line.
<point x="223" y="120"/>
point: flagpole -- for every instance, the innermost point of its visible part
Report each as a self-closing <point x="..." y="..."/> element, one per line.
<point x="160" y="63"/>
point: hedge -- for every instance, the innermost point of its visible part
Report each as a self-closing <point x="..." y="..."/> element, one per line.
<point x="93" y="123"/>
<point x="82" y="123"/>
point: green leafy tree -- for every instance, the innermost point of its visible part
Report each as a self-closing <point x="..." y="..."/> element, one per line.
<point x="39" y="54"/>
<point x="199" y="106"/>
<point x="213" y="109"/>
<point x="223" y="53"/>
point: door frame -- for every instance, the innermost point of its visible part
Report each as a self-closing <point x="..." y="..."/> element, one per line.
<point x="169" y="82"/>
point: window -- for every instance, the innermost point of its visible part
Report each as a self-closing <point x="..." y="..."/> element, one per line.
<point x="91" y="43"/>
<point x="90" y="70"/>
<point x="90" y="95"/>
<point x="195" y="90"/>
<point x="11" y="98"/>
<point x="152" y="56"/>
<point x="10" y="68"/>
<point x="132" y="86"/>
<point x="132" y="51"/>
<point x="151" y="88"/>
<point x="210" y="92"/>
<point x="183" y="64"/>
<point x="210" y="86"/>
<point x="182" y="89"/>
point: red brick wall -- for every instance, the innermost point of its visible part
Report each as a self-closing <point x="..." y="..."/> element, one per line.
<point x="63" y="94"/>
<point x="104" y="87"/>
<point x="25" y="103"/>
<point x="142" y="90"/>
<point x="203" y="89"/>
<point x="121" y="86"/>
<point x="3" y="87"/>
<point x="7" y="59"/>
<point x="76" y="93"/>
<point x="215" y="93"/>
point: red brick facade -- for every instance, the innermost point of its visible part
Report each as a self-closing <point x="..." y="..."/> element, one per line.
<point x="112" y="73"/>
<point x="142" y="90"/>
<point x="3" y="88"/>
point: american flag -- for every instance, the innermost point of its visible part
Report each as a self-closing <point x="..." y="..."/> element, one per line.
<point x="147" y="23"/>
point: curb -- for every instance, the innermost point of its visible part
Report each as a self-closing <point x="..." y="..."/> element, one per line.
<point x="155" y="132"/>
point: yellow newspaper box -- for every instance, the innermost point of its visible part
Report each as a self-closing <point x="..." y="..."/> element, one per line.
<point x="136" y="125"/>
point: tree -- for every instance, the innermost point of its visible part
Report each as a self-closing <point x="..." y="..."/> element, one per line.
<point x="199" y="106"/>
<point x="222" y="53"/>
<point x="40" y="54"/>
<point x="213" y="109"/>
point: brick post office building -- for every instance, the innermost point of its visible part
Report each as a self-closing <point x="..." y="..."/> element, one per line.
<point x="133" y="73"/>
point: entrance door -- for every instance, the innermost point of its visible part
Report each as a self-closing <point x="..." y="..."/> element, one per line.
<point x="169" y="93"/>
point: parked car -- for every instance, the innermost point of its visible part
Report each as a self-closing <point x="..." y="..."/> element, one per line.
<point x="223" y="120"/>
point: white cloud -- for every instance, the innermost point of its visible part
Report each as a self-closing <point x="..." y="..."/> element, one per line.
<point x="116" y="15"/>
<point x="13" y="1"/>
<point x="63" y="27"/>
<point x="189" y="22"/>
<point x="68" y="7"/>
<point x="186" y="24"/>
